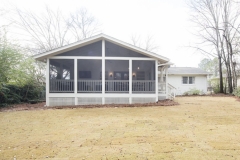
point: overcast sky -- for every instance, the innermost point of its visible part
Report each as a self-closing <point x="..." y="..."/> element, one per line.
<point x="166" y="20"/>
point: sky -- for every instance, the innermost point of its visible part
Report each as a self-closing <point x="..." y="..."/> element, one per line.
<point x="167" y="21"/>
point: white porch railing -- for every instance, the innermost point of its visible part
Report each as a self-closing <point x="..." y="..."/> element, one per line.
<point x="89" y="86"/>
<point x="171" y="91"/>
<point x="143" y="86"/>
<point x="95" y="86"/>
<point x="61" y="85"/>
<point x="162" y="88"/>
<point x="117" y="86"/>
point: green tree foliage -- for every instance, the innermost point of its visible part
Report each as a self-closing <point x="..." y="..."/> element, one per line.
<point x="236" y="92"/>
<point x="10" y="58"/>
<point x="18" y="74"/>
<point x="209" y="65"/>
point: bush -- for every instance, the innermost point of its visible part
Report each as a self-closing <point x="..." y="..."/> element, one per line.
<point x="192" y="91"/>
<point x="12" y="94"/>
<point x="216" y="89"/>
<point x="3" y="95"/>
<point x="3" y="98"/>
<point x="236" y="92"/>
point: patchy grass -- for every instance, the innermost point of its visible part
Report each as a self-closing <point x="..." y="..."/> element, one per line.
<point x="199" y="128"/>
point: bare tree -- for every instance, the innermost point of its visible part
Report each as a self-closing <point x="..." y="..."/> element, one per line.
<point x="47" y="31"/>
<point x="52" y="29"/>
<point x="148" y="44"/>
<point x="217" y="28"/>
<point x="230" y="18"/>
<point x="82" y="24"/>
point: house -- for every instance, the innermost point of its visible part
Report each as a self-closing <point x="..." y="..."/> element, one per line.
<point x="187" y="78"/>
<point x="238" y="76"/>
<point x="103" y="70"/>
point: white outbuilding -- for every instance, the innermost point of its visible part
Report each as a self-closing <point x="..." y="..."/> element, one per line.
<point x="185" y="79"/>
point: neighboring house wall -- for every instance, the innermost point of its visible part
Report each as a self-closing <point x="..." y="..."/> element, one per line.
<point x="238" y="81"/>
<point x="176" y="81"/>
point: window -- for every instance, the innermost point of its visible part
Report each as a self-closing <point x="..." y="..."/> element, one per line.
<point x="121" y="76"/>
<point x="61" y="69"/>
<point x="188" y="80"/>
<point x="191" y="80"/>
<point x="143" y="70"/>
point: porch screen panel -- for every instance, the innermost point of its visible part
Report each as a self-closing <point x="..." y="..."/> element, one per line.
<point x="113" y="50"/>
<point x="143" y="76"/>
<point x="117" y="76"/>
<point x="94" y="49"/>
<point x="61" y="76"/>
<point x="89" y="76"/>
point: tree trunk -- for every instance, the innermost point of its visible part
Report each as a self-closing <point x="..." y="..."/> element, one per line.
<point x="228" y="66"/>
<point x="220" y="74"/>
<point x="233" y="65"/>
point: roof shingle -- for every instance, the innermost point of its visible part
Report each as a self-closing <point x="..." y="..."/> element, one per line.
<point x="186" y="70"/>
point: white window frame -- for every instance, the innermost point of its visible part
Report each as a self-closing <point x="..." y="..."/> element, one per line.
<point x="188" y="78"/>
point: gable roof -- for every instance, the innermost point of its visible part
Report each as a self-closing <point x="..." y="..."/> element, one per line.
<point x="186" y="71"/>
<point x="96" y="38"/>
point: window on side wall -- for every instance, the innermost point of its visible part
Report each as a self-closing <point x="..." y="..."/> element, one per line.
<point x="188" y="80"/>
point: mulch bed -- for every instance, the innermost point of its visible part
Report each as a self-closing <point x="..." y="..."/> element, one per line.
<point x="222" y="95"/>
<point x="207" y="95"/>
<point x="41" y="106"/>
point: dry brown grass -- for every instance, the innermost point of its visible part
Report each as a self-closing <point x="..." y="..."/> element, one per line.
<point x="198" y="128"/>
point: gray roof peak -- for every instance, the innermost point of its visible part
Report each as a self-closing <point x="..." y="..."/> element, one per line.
<point x="187" y="71"/>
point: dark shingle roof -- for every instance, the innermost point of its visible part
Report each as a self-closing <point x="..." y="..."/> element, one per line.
<point x="187" y="70"/>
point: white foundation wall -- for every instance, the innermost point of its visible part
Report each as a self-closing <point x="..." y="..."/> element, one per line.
<point x="86" y="99"/>
<point x="61" y="101"/>
<point x="176" y="81"/>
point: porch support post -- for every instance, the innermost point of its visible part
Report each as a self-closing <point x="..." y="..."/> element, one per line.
<point x="161" y="80"/>
<point x="166" y="72"/>
<point x="103" y="71"/>
<point x="156" y="79"/>
<point x="130" y="81"/>
<point x="75" y="81"/>
<point x="47" y="83"/>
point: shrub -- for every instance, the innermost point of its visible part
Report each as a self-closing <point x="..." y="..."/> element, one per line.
<point x="236" y="92"/>
<point x="3" y="94"/>
<point x="12" y="94"/>
<point x="192" y="91"/>
<point x="216" y="89"/>
<point x="3" y="98"/>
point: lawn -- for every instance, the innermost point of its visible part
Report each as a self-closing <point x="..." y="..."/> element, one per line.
<point x="198" y="128"/>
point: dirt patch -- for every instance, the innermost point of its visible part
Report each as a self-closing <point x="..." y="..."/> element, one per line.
<point x="238" y="99"/>
<point x="41" y="106"/>
<point x="24" y="106"/>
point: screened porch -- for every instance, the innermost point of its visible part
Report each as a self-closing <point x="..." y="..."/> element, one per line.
<point x="89" y="76"/>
